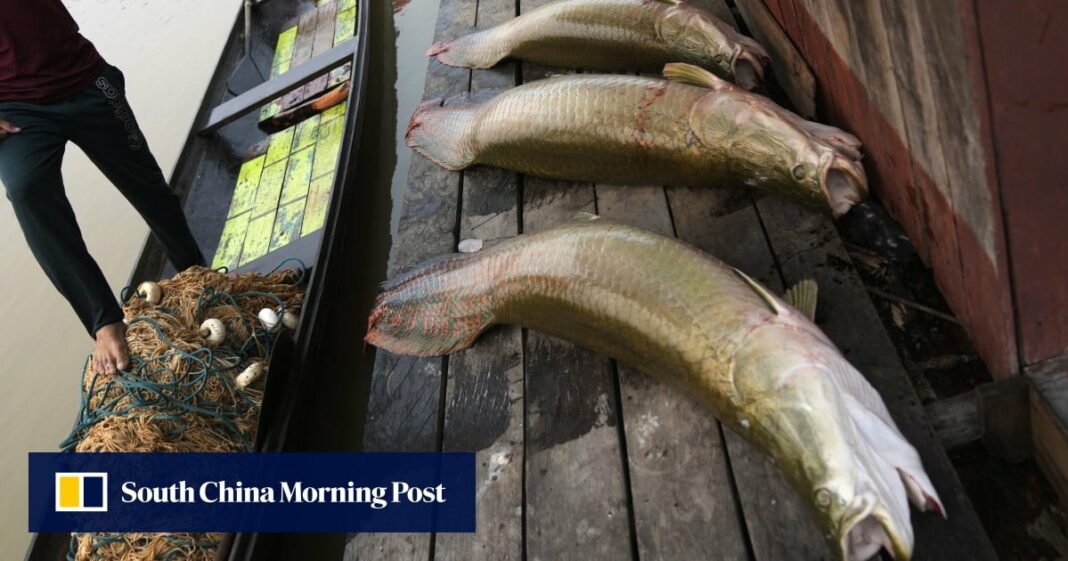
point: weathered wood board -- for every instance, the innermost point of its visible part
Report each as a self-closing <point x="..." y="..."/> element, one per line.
<point x="283" y="194"/>
<point x="313" y="32"/>
<point x="683" y="496"/>
<point x="484" y="399"/>
<point x="905" y="77"/>
<point x="787" y="65"/>
<point x="1049" y="427"/>
<point x="406" y="392"/>
<point x="806" y="246"/>
<point x="576" y="503"/>
<point x="1023" y="52"/>
<point x="579" y="457"/>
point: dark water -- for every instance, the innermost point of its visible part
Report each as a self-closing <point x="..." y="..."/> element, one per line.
<point x="333" y="421"/>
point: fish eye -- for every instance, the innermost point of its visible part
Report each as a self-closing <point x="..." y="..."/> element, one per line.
<point x="717" y="58"/>
<point x="823" y="497"/>
<point x="799" y="171"/>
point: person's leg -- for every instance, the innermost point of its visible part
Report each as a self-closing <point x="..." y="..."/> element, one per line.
<point x="101" y="123"/>
<point x="30" y="171"/>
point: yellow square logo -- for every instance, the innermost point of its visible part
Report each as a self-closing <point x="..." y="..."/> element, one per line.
<point x="82" y="492"/>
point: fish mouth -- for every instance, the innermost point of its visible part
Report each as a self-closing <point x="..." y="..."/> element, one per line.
<point x="868" y="528"/>
<point x="843" y="184"/>
<point x="748" y="67"/>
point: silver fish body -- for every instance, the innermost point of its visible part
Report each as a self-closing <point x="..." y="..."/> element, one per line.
<point x="688" y="319"/>
<point x="636" y="35"/>
<point x="637" y="130"/>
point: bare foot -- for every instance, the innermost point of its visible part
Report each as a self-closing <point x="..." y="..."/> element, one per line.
<point x="111" y="353"/>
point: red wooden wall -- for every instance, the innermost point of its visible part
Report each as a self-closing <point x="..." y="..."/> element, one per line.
<point x="961" y="105"/>
<point x="1025" y="50"/>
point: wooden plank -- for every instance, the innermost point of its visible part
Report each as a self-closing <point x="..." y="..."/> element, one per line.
<point x="683" y="497"/>
<point x="333" y="113"/>
<point x="338" y="75"/>
<point x="327" y="147"/>
<point x="406" y="392"/>
<point x="1049" y="428"/>
<point x="1028" y="126"/>
<point x="306" y="133"/>
<point x="270" y="188"/>
<point x="248" y="180"/>
<point x="807" y="246"/>
<point x="323" y="41"/>
<point x="236" y="107"/>
<point x="956" y="420"/>
<point x="576" y="495"/>
<point x="318" y="203"/>
<point x="311" y="106"/>
<point x="287" y="224"/>
<point x="575" y="492"/>
<point x="995" y="412"/>
<point x="298" y="176"/>
<point x="346" y="24"/>
<point x="258" y="237"/>
<point x="302" y="51"/>
<point x="1003" y="408"/>
<point x="283" y="51"/>
<point x="724" y="223"/>
<point x="858" y="33"/>
<point x="279" y="146"/>
<point x="484" y="395"/>
<point x="228" y="254"/>
<point x="981" y="298"/>
<point x="324" y="27"/>
<point x="1050" y="366"/>
<point x="958" y="216"/>
<point x="790" y="69"/>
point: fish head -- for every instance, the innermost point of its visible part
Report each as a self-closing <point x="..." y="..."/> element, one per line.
<point x="794" y="410"/>
<point x="768" y="148"/>
<point x="713" y="44"/>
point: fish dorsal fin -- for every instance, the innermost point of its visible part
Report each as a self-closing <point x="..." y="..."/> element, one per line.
<point x="768" y="297"/>
<point x="803" y="296"/>
<point x="584" y="217"/>
<point x="694" y="76"/>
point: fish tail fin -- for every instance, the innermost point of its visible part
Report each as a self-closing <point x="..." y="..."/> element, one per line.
<point x="477" y="50"/>
<point x="427" y="312"/>
<point x="443" y="134"/>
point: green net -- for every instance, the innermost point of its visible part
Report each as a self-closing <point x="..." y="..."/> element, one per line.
<point x="180" y="393"/>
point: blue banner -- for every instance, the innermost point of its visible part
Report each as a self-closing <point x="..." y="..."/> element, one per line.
<point x="246" y="492"/>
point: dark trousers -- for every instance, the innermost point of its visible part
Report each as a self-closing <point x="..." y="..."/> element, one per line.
<point x="99" y="120"/>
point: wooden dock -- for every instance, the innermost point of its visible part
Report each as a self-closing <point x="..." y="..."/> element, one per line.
<point x="583" y="458"/>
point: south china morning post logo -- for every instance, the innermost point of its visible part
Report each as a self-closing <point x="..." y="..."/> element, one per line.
<point x="81" y="492"/>
<point x="246" y="492"/>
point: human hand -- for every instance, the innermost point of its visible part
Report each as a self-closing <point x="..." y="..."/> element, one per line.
<point x="7" y="129"/>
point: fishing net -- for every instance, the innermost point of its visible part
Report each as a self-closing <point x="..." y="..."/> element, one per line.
<point x="179" y="393"/>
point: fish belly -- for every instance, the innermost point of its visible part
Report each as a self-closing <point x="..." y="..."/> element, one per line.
<point x="579" y="282"/>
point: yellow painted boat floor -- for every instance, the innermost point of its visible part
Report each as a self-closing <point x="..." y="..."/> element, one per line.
<point x="283" y="195"/>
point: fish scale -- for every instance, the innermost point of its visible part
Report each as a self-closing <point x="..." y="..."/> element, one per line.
<point x="615" y="35"/>
<point x="675" y="313"/>
<point x="640" y="130"/>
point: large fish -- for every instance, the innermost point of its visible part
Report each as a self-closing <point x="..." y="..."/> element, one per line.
<point x="650" y="301"/>
<point x="639" y="35"/>
<point x="692" y="129"/>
